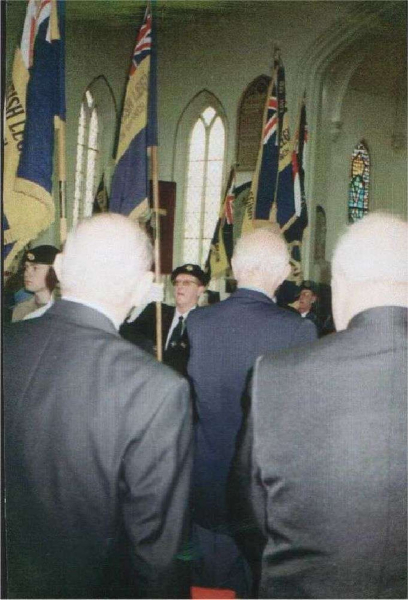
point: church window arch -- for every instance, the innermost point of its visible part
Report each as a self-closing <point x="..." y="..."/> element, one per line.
<point x="86" y="159"/>
<point x="359" y="183"/>
<point x="205" y="131"/>
<point x="96" y="133"/>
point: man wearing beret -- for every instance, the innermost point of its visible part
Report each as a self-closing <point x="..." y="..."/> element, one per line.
<point x="306" y="303"/>
<point x="189" y="283"/>
<point x="40" y="279"/>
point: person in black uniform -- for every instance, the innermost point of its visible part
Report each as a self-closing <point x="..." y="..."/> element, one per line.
<point x="306" y="305"/>
<point x="189" y="283"/>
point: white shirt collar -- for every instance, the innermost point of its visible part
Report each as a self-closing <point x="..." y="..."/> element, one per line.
<point x="95" y="306"/>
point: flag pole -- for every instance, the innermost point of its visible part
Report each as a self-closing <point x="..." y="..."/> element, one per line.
<point x="62" y="178"/>
<point x="157" y="266"/>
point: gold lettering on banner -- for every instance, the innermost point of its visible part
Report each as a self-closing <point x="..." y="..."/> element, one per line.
<point x="134" y="116"/>
<point x="15" y="118"/>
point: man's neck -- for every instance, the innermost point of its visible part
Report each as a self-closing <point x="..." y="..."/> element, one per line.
<point x="184" y="311"/>
<point x="42" y="297"/>
<point x="254" y="288"/>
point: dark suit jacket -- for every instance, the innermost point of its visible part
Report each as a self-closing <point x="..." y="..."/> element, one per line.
<point x="325" y="448"/>
<point x="142" y="331"/>
<point x="97" y="461"/>
<point x="225" y="340"/>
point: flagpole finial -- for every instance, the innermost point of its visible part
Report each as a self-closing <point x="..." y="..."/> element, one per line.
<point x="276" y="53"/>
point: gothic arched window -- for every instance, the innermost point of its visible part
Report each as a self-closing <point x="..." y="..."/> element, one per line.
<point x="205" y="164"/>
<point x="87" y="152"/>
<point x="359" y="182"/>
<point x="96" y="135"/>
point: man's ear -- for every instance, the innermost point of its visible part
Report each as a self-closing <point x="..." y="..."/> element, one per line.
<point x="57" y="265"/>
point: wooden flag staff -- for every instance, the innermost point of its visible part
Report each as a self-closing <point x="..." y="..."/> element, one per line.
<point x="157" y="269"/>
<point x="62" y="179"/>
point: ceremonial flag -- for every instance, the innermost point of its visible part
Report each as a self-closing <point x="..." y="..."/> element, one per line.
<point x="138" y="130"/>
<point x="272" y="197"/>
<point x="222" y="244"/>
<point x="101" y="201"/>
<point x="297" y="224"/>
<point x="35" y="106"/>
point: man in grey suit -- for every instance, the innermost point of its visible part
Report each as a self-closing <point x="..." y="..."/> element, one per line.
<point x="323" y="463"/>
<point x="225" y="340"/>
<point x="98" y="435"/>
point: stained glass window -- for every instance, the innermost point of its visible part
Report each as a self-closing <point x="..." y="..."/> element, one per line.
<point x="204" y="185"/>
<point x="359" y="182"/>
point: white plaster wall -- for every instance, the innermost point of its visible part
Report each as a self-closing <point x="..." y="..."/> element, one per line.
<point x="370" y="118"/>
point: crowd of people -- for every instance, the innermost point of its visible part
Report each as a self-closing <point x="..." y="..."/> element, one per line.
<point x="257" y="461"/>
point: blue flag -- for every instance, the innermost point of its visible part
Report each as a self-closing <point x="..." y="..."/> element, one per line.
<point x="138" y="130"/>
<point x="272" y="196"/>
<point x="35" y="106"/>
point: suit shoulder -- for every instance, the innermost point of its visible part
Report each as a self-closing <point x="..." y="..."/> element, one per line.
<point x="317" y="351"/>
<point x="199" y="314"/>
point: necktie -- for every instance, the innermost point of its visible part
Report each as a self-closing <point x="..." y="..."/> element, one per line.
<point x="176" y="333"/>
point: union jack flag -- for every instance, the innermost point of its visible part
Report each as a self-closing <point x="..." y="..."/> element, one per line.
<point x="138" y="130"/>
<point x="272" y="118"/>
<point x="36" y="14"/>
<point x="143" y="45"/>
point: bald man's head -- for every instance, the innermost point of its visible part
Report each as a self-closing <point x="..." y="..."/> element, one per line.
<point x="104" y="260"/>
<point x="261" y="259"/>
<point x="370" y="266"/>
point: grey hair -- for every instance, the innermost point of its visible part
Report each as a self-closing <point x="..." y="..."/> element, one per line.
<point x="263" y="250"/>
<point x="373" y="249"/>
<point x="104" y="257"/>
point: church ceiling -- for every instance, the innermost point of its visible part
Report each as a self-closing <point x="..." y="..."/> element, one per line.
<point x="120" y="12"/>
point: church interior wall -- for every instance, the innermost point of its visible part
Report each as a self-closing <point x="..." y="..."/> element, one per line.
<point x="222" y="52"/>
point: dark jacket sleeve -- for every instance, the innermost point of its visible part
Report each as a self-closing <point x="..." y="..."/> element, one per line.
<point x="156" y="503"/>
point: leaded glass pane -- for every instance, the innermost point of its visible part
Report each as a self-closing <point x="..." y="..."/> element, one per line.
<point x="197" y="144"/>
<point x="208" y="115"/>
<point x="217" y="135"/>
<point x="79" y="171"/>
<point x="359" y="182"/>
<point x="204" y="186"/>
<point x="191" y="250"/>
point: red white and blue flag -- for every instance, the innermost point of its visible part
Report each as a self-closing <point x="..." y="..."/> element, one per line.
<point x="34" y="108"/>
<point x="272" y="196"/>
<point x="138" y="130"/>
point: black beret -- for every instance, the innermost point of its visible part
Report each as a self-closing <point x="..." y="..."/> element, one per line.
<point x="44" y="255"/>
<point x="190" y="269"/>
<point x="309" y="285"/>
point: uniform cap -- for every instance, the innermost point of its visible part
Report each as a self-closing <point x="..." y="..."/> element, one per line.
<point x="44" y="255"/>
<point x="190" y="269"/>
<point x="309" y="285"/>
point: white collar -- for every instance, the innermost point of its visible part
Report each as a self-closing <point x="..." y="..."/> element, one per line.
<point x="184" y="315"/>
<point x="95" y="306"/>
